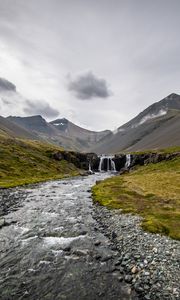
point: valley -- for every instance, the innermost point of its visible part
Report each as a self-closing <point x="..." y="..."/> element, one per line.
<point x="99" y="209"/>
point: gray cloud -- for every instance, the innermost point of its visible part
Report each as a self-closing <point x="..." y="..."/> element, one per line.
<point x="88" y="86"/>
<point x="40" y="108"/>
<point x="6" y="85"/>
<point x="116" y="39"/>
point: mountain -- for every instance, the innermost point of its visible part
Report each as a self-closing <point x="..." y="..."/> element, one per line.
<point x="86" y="138"/>
<point x="11" y="129"/>
<point x="60" y="132"/>
<point x="158" y="126"/>
<point x="40" y="127"/>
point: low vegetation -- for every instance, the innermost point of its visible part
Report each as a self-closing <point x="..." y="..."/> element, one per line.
<point x="25" y="161"/>
<point x="167" y="150"/>
<point x="151" y="191"/>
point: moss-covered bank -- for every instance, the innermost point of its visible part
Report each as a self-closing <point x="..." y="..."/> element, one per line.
<point x="151" y="191"/>
<point x="25" y="161"/>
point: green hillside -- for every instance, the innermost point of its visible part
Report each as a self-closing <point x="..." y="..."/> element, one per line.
<point x="151" y="191"/>
<point x="26" y="161"/>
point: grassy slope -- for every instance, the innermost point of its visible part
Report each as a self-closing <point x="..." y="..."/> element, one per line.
<point x="167" y="150"/>
<point x="25" y="161"/>
<point x="150" y="191"/>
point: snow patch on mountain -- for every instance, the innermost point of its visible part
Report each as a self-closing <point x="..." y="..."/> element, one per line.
<point x="149" y="117"/>
<point x="118" y="130"/>
<point x="58" y="124"/>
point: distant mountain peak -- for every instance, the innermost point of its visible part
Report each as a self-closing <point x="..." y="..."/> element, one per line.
<point x="6" y="86"/>
<point x="172" y="96"/>
<point x="59" y="120"/>
<point x="60" y="123"/>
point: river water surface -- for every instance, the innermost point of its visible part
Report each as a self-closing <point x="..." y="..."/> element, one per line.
<point x="53" y="248"/>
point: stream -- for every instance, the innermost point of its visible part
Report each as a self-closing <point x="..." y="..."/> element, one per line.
<point x="53" y="248"/>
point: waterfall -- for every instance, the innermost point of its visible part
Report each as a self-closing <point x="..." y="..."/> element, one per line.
<point x="90" y="170"/>
<point x="110" y="164"/>
<point x="128" y="161"/>
<point x="113" y="166"/>
<point x="101" y="163"/>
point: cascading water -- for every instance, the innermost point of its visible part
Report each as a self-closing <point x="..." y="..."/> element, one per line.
<point x="113" y="166"/>
<point x="128" y="161"/>
<point x="109" y="162"/>
<point x="90" y="170"/>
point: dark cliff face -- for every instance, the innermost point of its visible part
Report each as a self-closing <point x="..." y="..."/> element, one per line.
<point x="80" y="160"/>
<point x="142" y="159"/>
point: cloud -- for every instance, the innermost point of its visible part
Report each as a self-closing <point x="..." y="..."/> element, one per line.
<point x="40" y="108"/>
<point x="6" y="85"/>
<point x="88" y="86"/>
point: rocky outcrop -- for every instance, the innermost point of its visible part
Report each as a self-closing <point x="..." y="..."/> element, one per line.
<point x="146" y="158"/>
<point x="120" y="160"/>
<point x="80" y="160"/>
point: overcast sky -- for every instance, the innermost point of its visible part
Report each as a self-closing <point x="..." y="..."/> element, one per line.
<point x="95" y="62"/>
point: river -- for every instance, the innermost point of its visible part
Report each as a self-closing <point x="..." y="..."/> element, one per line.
<point x="53" y="247"/>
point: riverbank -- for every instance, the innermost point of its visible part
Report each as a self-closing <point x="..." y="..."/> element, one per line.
<point x="25" y="161"/>
<point x="148" y="262"/>
<point x="150" y="191"/>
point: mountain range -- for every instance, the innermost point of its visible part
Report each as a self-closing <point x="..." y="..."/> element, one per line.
<point x="158" y="126"/>
<point x="60" y="132"/>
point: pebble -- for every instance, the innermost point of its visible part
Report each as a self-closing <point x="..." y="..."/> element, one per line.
<point x="134" y="270"/>
<point x="149" y="262"/>
<point x="120" y="278"/>
<point x="138" y="288"/>
<point x="2" y="222"/>
<point x="97" y="243"/>
<point x="128" y="278"/>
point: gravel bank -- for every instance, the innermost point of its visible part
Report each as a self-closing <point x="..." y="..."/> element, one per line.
<point x="149" y="262"/>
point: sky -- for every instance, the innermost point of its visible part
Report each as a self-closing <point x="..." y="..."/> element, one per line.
<point x="97" y="63"/>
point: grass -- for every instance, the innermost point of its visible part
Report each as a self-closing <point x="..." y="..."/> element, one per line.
<point x="151" y="191"/>
<point x="168" y="150"/>
<point x="25" y="161"/>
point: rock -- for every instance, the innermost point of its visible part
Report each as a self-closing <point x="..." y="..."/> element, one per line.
<point x="83" y="232"/>
<point x="80" y="252"/>
<point x="118" y="262"/>
<point x="97" y="243"/>
<point x="155" y="250"/>
<point x="2" y="223"/>
<point x="146" y="287"/>
<point x="58" y="156"/>
<point x="126" y="257"/>
<point x="128" y="278"/>
<point x="147" y="297"/>
<point x="120" y="278"/>
<point x="67" y="248"/>
<point x="138" y="288"/>
<point x="98" y="257"/>
<point x="114" y="235"/>
<point x="106" y="258"/>
<point x="145" y="262"/>
<point x="134" y="270"/>
<point x="146" y="273"/>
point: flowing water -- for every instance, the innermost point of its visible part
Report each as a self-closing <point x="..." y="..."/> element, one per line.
<point x="128" y="160"/>
<point x="106" y="163"/>
<point x="53" y="247"/>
